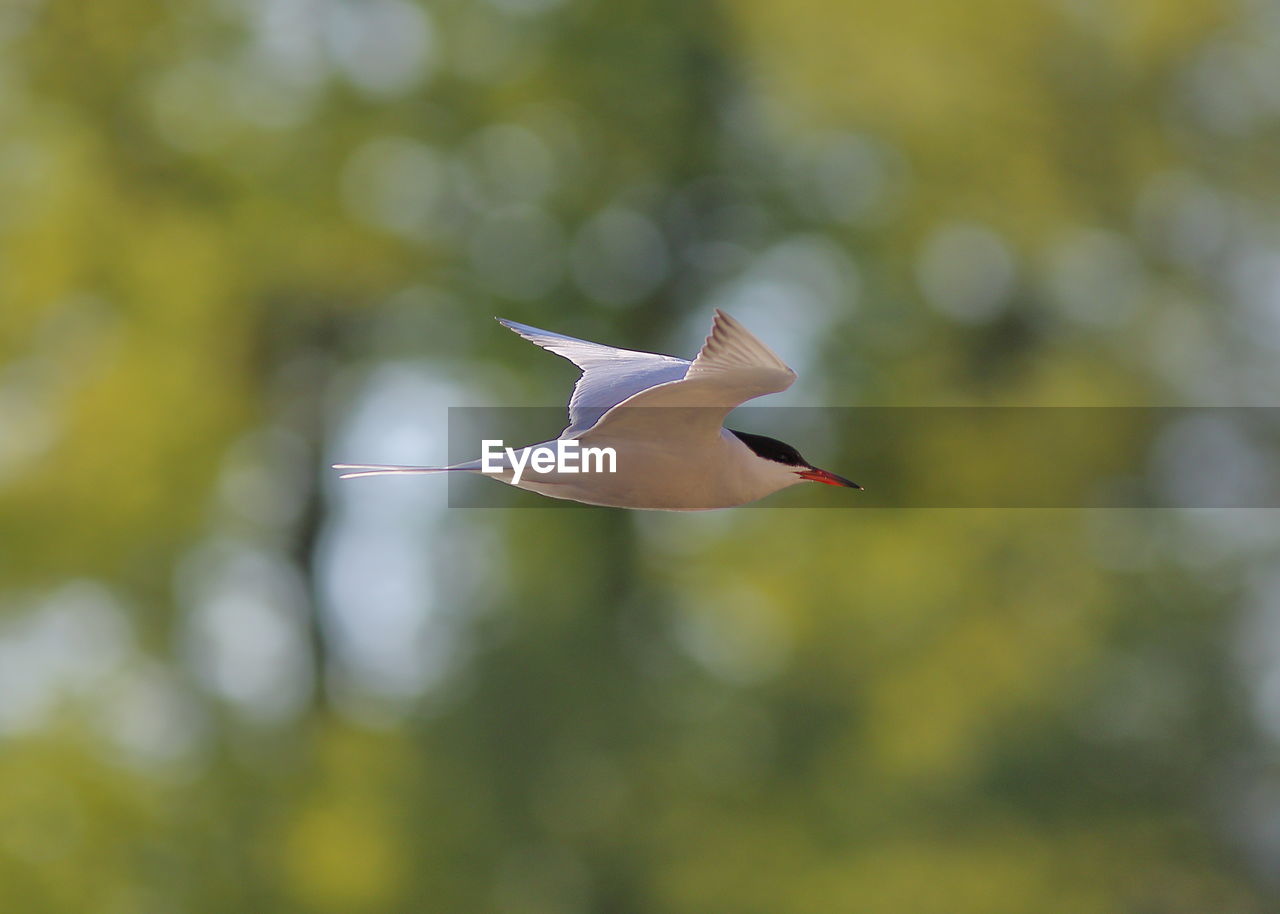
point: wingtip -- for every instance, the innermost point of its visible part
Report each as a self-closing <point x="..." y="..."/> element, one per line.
<point x="729" y="342"/>
<point x="515" y="326"/>
<point x="727" y="321"/>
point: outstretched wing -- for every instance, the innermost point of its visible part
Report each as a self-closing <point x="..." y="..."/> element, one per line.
<point x="609" y="375"/>
<point x="731" y="368"/>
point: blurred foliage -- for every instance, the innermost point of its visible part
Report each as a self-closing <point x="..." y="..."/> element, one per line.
<point x="241" y="238"/>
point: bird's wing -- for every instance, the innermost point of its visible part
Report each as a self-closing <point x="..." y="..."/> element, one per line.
<point x="731" y="368"/>
<point x="609" y="375"/>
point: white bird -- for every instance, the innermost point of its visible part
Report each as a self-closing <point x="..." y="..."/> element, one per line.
<point x="663" y="418"/>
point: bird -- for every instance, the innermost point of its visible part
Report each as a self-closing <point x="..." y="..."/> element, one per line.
<point x="660" y="418"/>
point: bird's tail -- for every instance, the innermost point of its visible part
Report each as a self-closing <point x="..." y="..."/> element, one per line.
<point x="381" y="469"/>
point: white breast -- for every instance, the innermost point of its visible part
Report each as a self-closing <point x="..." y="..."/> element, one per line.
<point x="651" y="475"/>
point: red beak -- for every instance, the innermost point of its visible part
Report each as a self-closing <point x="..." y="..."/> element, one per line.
<point x="813" y="474"/>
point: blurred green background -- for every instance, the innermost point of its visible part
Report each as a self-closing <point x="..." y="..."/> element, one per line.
<point x="241" y="239"/>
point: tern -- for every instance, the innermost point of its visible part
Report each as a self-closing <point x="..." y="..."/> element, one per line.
<point x="663" y="418"/>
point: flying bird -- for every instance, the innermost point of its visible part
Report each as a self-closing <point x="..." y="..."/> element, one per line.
<point x="662" y="418"/>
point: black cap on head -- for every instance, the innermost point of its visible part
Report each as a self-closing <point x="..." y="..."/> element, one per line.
<point x="772" y="449"/>
<point x="782" y="453"/>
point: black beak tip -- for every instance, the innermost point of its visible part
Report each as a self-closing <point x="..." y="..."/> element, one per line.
<point x="847" y="483"/>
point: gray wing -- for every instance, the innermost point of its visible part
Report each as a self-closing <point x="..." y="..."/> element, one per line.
<point x="732" y="367"/>
<point x="609" y="375"/>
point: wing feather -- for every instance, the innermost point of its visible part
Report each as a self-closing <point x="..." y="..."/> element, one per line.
<point x="732" y="367"/>
<point x="618" y="389"/>
<point x="732" y="347"/>
<point x="609" y="375"/>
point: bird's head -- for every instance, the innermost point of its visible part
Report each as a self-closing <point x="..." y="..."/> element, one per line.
<point x="783" y="458"/>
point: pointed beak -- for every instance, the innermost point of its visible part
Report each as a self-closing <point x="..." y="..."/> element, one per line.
<point x="813" y="474"/>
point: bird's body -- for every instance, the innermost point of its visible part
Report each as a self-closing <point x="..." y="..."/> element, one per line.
<point x="662" y="418"/>
<point x="722" y="474"/>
